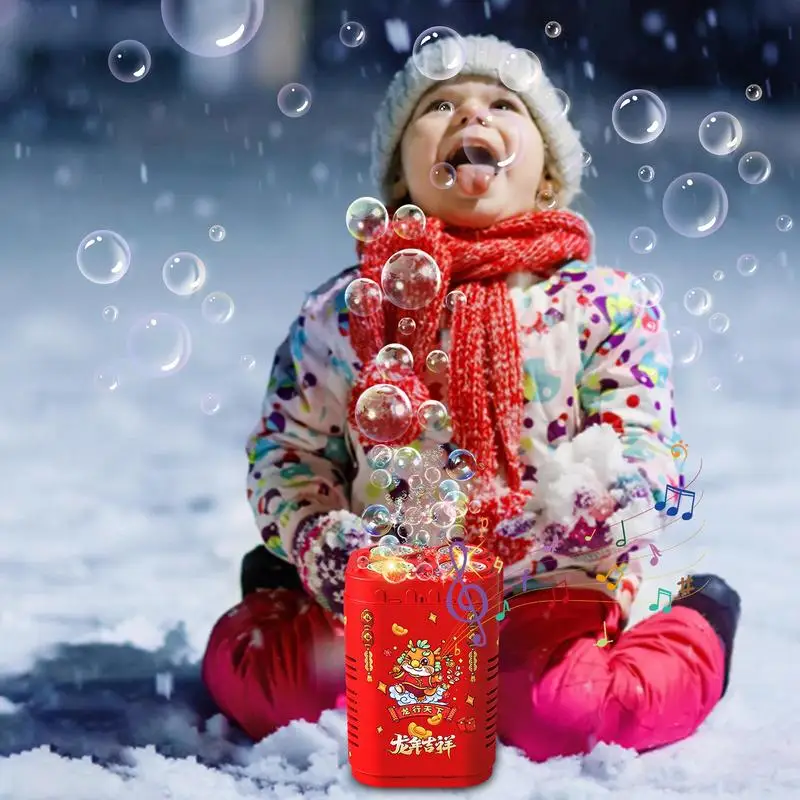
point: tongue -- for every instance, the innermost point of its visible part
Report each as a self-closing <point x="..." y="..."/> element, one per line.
<point x="474" y="179"/>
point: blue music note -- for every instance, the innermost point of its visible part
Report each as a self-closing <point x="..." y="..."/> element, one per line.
<point x="464" y="601"/>
<point x="679" y="493"/>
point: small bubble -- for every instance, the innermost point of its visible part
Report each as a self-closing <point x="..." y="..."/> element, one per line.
<point x="383" y="413"/>
<point x="552" y="30"/>
<point x="394" y="356"/>
<point x="380" y="456"/>
<point x="719" y="322"/>
<point x="439" y="53"/>
<point x="110" y="313"/>
<point x="754" y="168"/>
<point x="586" y="158"/>
<point x="738" y="358"/>
<point x="406" y="326"/>
<point x="443" y="175"/>
<point x="294" y="100"/>
<point x="129" y="61"/>
<point x="720" y="133"/>
<point x="697" y="302"/>
<point x="461" y="465"/>
<point x="695" y="205"/>
<point x="106" y="380"/>
<point x="411" y="279"/>
<point x="248" y="362"/>
<point x="784" y="223"/>
<point x="753" y="92"/>
<point x="352" y="34"/>
<point x="377" y="521"/>
<point x="687" y="346"/>
<point x="646" y="173"/>
<point x="433" y="416"/>
<point x="639" y="116"/>
<point x="642" y="240"/>
<point x="563" y="103"/>
<point x="209" y="404"/>
<point x="718" y="275"/>
<point x="159" y="344"/>
<point x="455" y="299"/>
<point x="366" y="219"/>
<point x="381" y="478"/>
<point x="183" y="274"/>
<point x="647" y="290"/>
<point x="409" y="221"/>
<point x="103" y="257"/>
<point x="216" y="233"/>
<point x="363" y="297"/>
<point x="437" y="361"/>
<point x="217" y="308"/>
<point x="546" y="199"/>
<point x="520" y="70"/>
<point x="715" y="384"/>
<point x="746" y="264"/>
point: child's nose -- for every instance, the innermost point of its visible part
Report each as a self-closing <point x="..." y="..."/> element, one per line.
<point x="474" y="115"/>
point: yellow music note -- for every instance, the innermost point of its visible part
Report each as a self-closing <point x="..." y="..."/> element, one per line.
<point x="604" y="641"/>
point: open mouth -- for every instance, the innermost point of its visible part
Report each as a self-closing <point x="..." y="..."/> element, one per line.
<point x="478" y="154"/>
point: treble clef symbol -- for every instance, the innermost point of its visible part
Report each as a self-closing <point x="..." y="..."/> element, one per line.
<point x="470" y="614"/>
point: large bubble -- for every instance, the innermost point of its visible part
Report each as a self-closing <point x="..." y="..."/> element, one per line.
<point x="720" y="133"/>
<point x="103" y="257"/>
<point x="695" y="205"/>
<point x="439" y="53"/>
<point x="639" y="116"/>
<point x="411" y="279"/>
<point x="212" y="28"/>
<point x="383" y="412"/>
<point x="184" y="273"/>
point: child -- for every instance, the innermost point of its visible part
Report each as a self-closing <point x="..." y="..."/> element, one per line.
<point x="558" y="384"/>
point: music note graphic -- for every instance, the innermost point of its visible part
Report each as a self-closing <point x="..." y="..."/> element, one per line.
<point x="471" y="615"/>
<point x="526" y="576"/>
<point x="502" y="615"/>
<point x="624" y="540"/>
<point x="662" y="593"/>
<point x="610" y="582"/>
<point x="679" y="494"/>
<point x="656" y="555"/>
<point x="556" y="598"/>
<point x="604" y="641"/>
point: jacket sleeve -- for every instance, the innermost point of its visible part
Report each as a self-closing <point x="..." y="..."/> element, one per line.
<point x="299" y="464"/>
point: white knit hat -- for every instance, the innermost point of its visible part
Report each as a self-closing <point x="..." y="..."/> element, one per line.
<point x="484" y="57"/>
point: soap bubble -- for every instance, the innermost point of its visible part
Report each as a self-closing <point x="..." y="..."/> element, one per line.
<point x="383" y="412"/>
<point x="456" y="534"/>
<point x="686" y="346"/>
<point x="753" y="92"/>
<point x="718" y="275"/>
<point x="697" y="302"/>
<point x="110" y="313"/>
<point x="183" y="273"/>
<point x="695" y="205"/>
<point x="443" y="514"/>
<point x="103" y="257"/>
<point x="210" y="404"/>
<point x="352" y="34"/>
<point x="159" y="344"/>
<point x="363" y="297"/>
<point x="718" y="322"/>
<point x="367" y="219"/>
<point x="647" y="290"/>
<point x="784" y="223"/>
<point x="381" y="478"/>
<point x="433" y="415"/>
<point x="217" y="308"/>
<point x="216" y="233"/>
<point x="394" y="356"/>
<point x="642" y="240"/>
<point x="389" y="541"/>
<point x="380" y="456"/>
<point x="562" y="101"/>
<point x="520" y="70"/>
<point x="294" y="100"/>
<point x="405" y="326"/>
<point x="720" y="133"/>
<point x="646" y="173"/>
<point x="129" y="61"/>
<point x="455" y="299"/>
<point x="432" y="474"/>
<point x="377" y="520"/>
<point x="552" y="30"/>
<point x="746" y="264"/>
<point x="461" y="465"/>
<point x="443" y="175"/>
<point x="409" y="221"/>
<point x="106" y="379"/>
<point x="424" y="571"/>
<point x="212" y="30"/>
<point x="437" y="361"/>
<point x="439" y="53"/>
<point x="639" y="116"/>
<point x="406" y="462"/>
<point x="248" y="362"/>
<point x="715" y="384"/>
<point x="411" y="279"/>
<point x="546" y="199"/>
<point x="362" y="562"/>
<point x="754" y="168"/>
<point x="448" y="486"/>
<point x="586" y="159"/>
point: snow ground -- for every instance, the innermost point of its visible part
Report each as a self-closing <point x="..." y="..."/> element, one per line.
<point x="124" y="516"/>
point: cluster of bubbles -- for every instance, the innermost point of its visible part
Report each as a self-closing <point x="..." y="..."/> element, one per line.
<point x="431" y="513"/>
<point x="158" y="344"/>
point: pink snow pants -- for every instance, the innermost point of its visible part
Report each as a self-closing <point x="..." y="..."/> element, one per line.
<point x="560" y="693"/>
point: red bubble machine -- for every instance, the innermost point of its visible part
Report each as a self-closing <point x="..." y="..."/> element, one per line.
<point x="421" y="684"/>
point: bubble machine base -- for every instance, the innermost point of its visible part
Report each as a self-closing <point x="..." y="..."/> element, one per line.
<point x="421" y="691"/>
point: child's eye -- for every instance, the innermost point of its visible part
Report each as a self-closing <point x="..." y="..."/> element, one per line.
<point x="441" y="105"/>
<point x="505" y="105"/>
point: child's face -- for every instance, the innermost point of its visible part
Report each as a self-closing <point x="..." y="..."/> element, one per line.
<point x="494" y="125"/>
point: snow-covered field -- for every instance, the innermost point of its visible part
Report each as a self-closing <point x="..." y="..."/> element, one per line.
<point x="124" y="519"/>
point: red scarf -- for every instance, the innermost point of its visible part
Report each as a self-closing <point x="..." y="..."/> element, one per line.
<point x="485" y="392"/>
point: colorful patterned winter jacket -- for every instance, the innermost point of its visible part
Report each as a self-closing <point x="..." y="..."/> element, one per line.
<point x="599" y="425"/>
